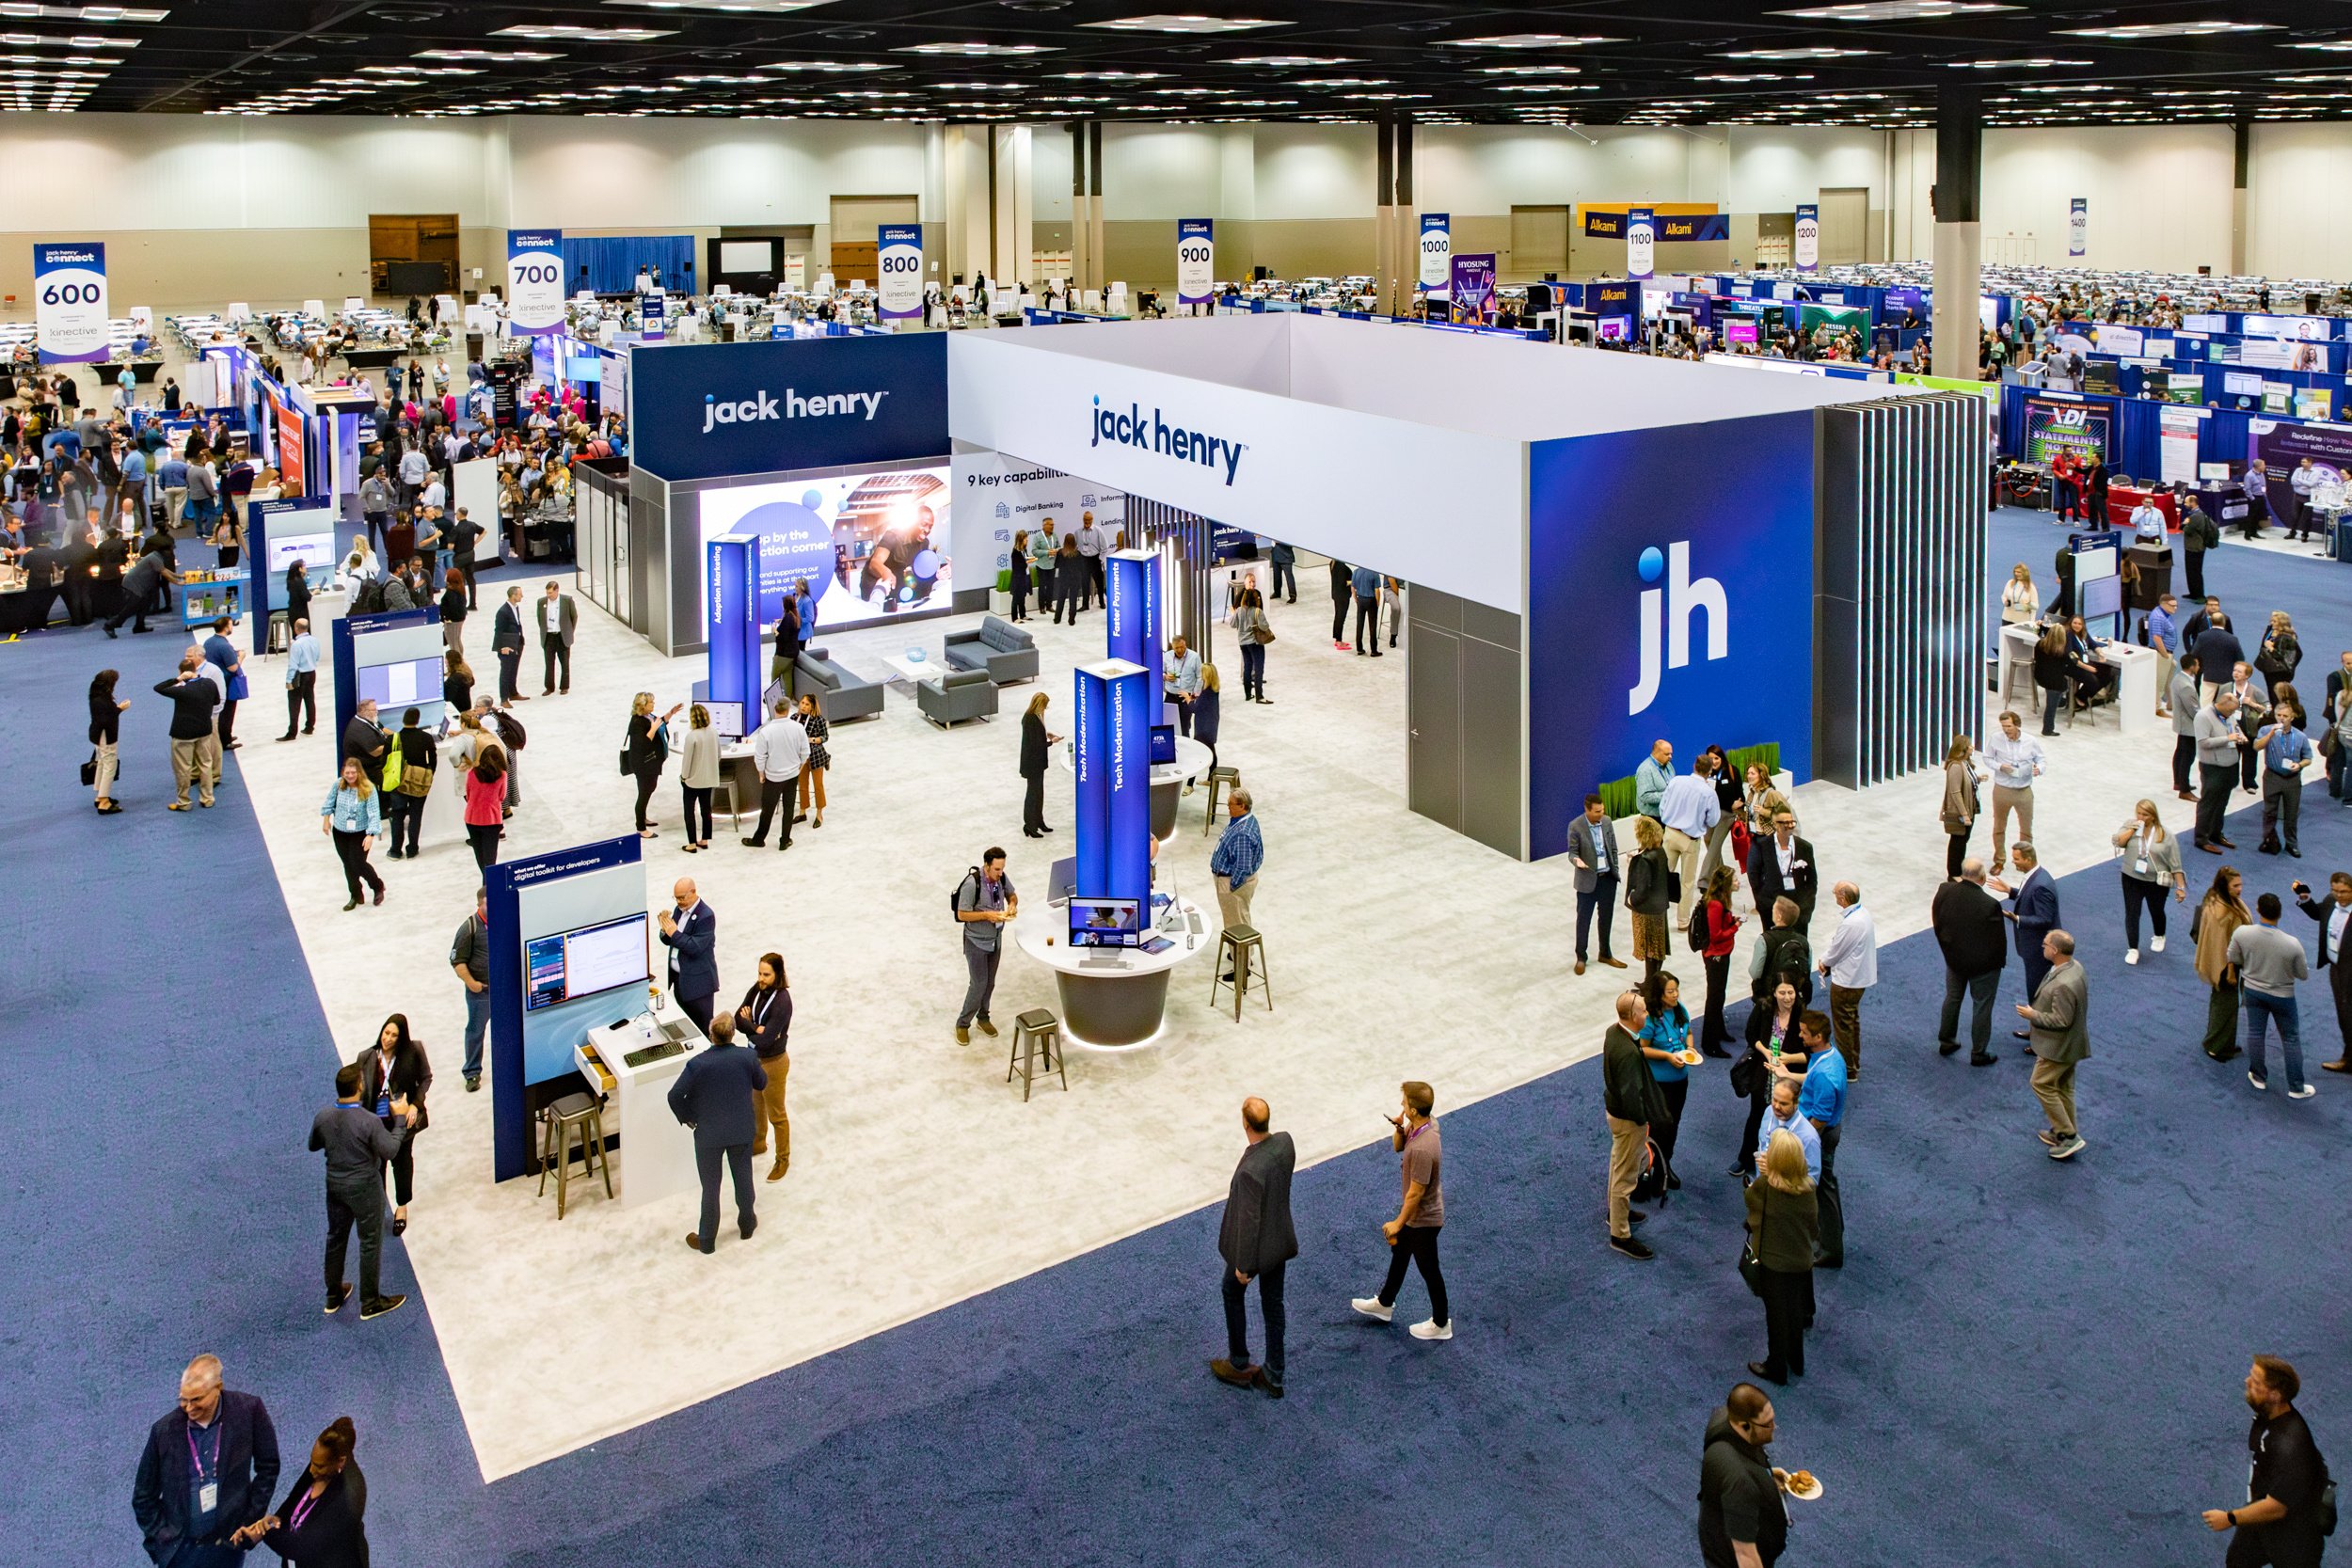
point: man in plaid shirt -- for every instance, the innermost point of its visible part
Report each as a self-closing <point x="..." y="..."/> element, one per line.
<point x="1235" y="860"/>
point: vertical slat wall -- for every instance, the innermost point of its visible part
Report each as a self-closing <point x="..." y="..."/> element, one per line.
<point x="1900" y="612"/>
<point x="1156" y="526"/>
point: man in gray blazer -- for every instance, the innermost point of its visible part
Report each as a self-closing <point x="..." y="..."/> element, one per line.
<point x="557" y="617"/>
<point x="1257" y="1242"/>
<point x="1592" y="850"/>
<point x="2061" y="1020"/>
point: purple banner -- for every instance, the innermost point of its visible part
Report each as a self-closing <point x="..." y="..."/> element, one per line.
<point x="2283" y="447"/>
<point x="1474" y="298"/>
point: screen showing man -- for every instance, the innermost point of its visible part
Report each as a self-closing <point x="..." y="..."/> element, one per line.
<point x="869" y="546"/>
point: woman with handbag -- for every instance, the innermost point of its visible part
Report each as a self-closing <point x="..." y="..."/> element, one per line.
<point x="408" y="769"/>
<point x="395" y="1078"/>
<point x="2151" y="860"/>
<point x="644" y="752"/>
<point x="2218" y="917"/>
<point x="811" y="717"/>
<point x="2279" y="653"/>
<point x="1253" y="631"/>
<point x="1959" y="803"/>
<point x="1719" y="930"/>
<point x="1784" y="1227"/>
<point x="1646" y="896"/>
<point x="486" y="804"/>
<point x="1662" y="1039"/>
<point x="1772" y="1033"/>
<point x="105" y="732"/>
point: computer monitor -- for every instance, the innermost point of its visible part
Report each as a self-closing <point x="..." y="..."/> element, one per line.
<point x="565" y="966"/>
<point x="1106" y="922"/>
<point x="727" y="719"/>
<point x="1163" y="745"/>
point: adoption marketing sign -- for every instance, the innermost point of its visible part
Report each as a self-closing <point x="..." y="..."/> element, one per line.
<point x="1437" y="253"/>
<point x="1473" y="291"/>
<point x="69" y="304"/>
<point x="1641" y="242"/>
<point x="1806" y="250"/>
<point x="534" y="281"/>
<point x="1196" y="261"/>
<point x="899" y="293"/>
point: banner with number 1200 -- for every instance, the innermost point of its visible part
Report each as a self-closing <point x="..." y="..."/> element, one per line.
<point x="69" y="304"/>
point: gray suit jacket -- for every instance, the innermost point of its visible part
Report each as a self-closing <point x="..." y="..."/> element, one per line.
<point x="2061" y="1016"/>
<point x="1256" y="1233"/>
<point x="566" y="616"/>
<point x="1581" y="833"/>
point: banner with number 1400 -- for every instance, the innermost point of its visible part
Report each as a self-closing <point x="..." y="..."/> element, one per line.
<point x="69" y="304"/>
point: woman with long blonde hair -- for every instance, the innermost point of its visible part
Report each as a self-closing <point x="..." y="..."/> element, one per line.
<point x="1783" y="1227"/>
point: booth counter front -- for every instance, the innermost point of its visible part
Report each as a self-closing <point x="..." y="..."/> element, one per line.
<point x="641" y="1058"/>
<point x="1113" y="996"/>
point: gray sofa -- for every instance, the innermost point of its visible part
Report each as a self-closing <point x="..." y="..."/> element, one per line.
<point x="955" y="695"/>
<point x="1003" y="650"/>
<point x="842" y="696"/>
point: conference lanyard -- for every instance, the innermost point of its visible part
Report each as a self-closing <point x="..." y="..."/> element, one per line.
<point x="302" y="1510"/>
<point x="207" y="1491"/>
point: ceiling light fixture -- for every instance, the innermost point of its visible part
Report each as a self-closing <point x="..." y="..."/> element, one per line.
<point x="976" y="50"/>
<point x="566" y="32"/>
<point x="1528" y="40"/>
<point x="1184" y="23"/>
<point x="2168" y="30"/>
<point x="1809" y="51"/>
<point x="1894" y="10"/>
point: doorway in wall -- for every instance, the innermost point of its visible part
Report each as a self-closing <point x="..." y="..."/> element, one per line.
<point x="1539" y="243"/>
<point x="855" y="221"/>
<point x="412" y="253"/>
<point x="1845" y="225"/>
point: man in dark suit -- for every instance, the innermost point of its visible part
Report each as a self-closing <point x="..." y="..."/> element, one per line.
<point x="2335" y="955"/>
<point x="1257" y="1242"/>
<point x="2032" y="912"/>
<point x="1782" y="865"/>
<point x="209" y="1470"/>
<point x="717" y="1097"/>
<point x="691" y="932"/>
<point x="1592" y="850"/>
<point x="506" y="640"/>
<point x="557" y="617"/>
<point x="1968" y="929"/>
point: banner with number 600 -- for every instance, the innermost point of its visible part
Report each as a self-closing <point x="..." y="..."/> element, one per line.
<point x="69" y="304"/>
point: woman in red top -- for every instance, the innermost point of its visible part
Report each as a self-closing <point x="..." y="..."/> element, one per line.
<point x="486" y="804"/>
<point x="1722" y="931"/>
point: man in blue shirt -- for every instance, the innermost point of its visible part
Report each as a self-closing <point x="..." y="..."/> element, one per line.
<point x="2286" y="753"/>
<point x="1365" y="584"/>
<point x="2165" y="637"/>
<point x="1235" y="861"/>
<point x="1821" y="1101"/>
<point x="302" y="681"/>
<point x="1651" y="778"/>
<point x="222" y="653"/>
<point x="1784" y="1117"/>
<point x="1688" y="809"/>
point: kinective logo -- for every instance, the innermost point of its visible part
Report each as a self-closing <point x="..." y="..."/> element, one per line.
<point x="791" y="406"/>
<point x="1681" y="595"/>
<point x="1131" y="429"/>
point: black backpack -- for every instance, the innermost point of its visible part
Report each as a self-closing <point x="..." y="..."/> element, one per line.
<point x="955" y="899"/>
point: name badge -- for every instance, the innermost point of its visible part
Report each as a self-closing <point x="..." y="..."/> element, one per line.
<point x="208" y="1498"/>
<point x="2140" y="865"/>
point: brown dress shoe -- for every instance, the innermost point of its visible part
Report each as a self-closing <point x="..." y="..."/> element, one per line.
<point x="693" y="1240"/>
<point x="1579" y="966"/>
<point x="1226" y="1372"/>
<point x="775" y="1172"/>
<point x="2340" y="1065"/>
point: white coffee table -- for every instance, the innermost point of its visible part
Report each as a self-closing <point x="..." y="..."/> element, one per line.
<point x="914" y="671"/>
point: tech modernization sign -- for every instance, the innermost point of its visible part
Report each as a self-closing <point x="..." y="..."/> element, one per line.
<point x="534" y="281"/>
<point x="69" y="304"/>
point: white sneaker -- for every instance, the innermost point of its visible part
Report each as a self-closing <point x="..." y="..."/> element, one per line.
<point x="2156" y="946"/>
<point x="2258" y="1083"/>
<point x="1429" y="1328"/>
<point x="2132" y="957"/>
<point x="2304" y="1093"/>
<point x="1370" y="1306"/>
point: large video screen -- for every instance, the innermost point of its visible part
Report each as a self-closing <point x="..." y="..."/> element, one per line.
<point x="572" y="964"/>
<point x="871" y="546"/>
<point x="405" y="684"/>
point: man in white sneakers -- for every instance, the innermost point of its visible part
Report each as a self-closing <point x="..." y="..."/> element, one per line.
<point x="1412" y="1236"/>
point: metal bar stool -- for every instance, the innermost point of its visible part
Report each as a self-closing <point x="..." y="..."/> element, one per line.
<point x="1235" y="949"/>
<point x="583" y="1115"/>
<point x="1220" y="780"/>
<point x="1036" y="1032"/>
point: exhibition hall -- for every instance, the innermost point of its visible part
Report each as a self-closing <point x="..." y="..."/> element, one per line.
<point x="1644" y="481"/>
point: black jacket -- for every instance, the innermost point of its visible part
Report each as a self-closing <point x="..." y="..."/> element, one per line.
<point x="1624" y="1078"/>
<point x="412" y="1076"/>
<point x="715" y="1096"/>
<point x="507" y="629"/>
<point x="1738" y="1497"/>
<point x="2320" y="912"/>
<point x="192" y="704"/>
<point x="1764" y="878"/>
<point x="161" y="1496"/>
<point x="1034" y="745"/>
<point x="333" y="1532"/>
<point x="1256" y="1232"/>
<point x="1969" y="930"/>
<point x="766" y="1030"/>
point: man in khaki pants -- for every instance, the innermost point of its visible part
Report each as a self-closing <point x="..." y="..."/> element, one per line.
<point x="1624" y="1100"/>
<point x="1239" y="852"/>
<point x="2058" y="1019"/>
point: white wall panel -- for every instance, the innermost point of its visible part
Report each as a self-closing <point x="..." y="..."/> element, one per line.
<point x="1161" y="171"/>
<point x="654" y="174"/>
<point x="2159" y="194"/>
<point x="1489" y="170"/>
<point x="1312" y="171"/>
<point x="2296" y="221"/>
<point x="1775" y="167"/>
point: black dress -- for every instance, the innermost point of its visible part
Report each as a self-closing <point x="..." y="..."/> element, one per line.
<point x="332" y="1531"/>
<point x="1035" y="750"/>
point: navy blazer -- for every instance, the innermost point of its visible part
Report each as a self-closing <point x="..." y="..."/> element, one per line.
<point x="693" y="964"/>
<point x="163" y="1492"/>
<point x="716" y="1096"/>
<point x="2035" y="902"/>
<point x="1764" y="877"/>
<point x="2321" y="911"/>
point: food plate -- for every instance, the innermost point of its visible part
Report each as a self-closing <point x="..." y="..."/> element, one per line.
<point x="1690" y="1057"/>
<point x="1809" y="1496"/>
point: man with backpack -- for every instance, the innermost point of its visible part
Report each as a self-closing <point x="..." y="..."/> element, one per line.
<point x="984" y="903"/>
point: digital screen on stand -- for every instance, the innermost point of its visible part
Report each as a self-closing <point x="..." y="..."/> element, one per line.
<point x="567" y="965"/>
<point x="872" y="547"/>
<point x="1106" y="922"/>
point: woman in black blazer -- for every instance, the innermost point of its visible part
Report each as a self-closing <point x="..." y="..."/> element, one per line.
<point x="394" y="1072"/>
<point x="791" y="639"/>
<point x="1070" y="576"/>
<point x="298" y="596"/>
<point x="1017" y="580"/>
<point x="648" y="748"/>
<point x="105" y="730"/>
<point x="1772" y="1033"/>
<point x="323" y="1522"/>
<point x="457" y="684"/>
<point x="764" y="1022"/>
<point x="454" y="612"/>
<point x="1036" y="754"/>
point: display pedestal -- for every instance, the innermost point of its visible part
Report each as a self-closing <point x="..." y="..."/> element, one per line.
<point x="1114" y="996"/>
<point x="2135" y="684"/>
<point x="657" y="1149"/>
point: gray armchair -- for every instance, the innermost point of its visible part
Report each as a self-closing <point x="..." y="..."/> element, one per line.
<point x="841" y="694"/>
<point x="1003" y="650"/>
<point x="956" y="695"/>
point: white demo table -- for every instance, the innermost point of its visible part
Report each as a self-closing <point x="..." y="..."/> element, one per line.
<point x="2134" y="684"/>
<point x="1116" y="995"/>
<point x="657" y="1149"/>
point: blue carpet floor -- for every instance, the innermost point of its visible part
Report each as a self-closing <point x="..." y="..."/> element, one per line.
<point x="2024" y="1363"/>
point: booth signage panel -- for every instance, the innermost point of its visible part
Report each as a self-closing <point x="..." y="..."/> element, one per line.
<point x="2282" y="446"/>
<point x="1473" y="297"/>
<point x="1437" y="253"/>
<point x="1196" y="261"/>
<point x="69" y="304"/>
<point x="1131" y="710"/>
<point x="731" y="596"/>
<point x="1678" y="227"/>
<point x="534" y="281"/>
<point x="1089" y="751"/>
<point x="1641" y="242"/>
<point x="708" y="410"/>
<point x="2078" y="228"/>
<point x="2055" y="425"/>
<point x="898" y="290"/>
<point x="653" y="322"/>
<point x="999" y="496"/>
<point x="1133" y="621"/>
<point x="1691" y="621"/>
<point x="1806" y="250"/>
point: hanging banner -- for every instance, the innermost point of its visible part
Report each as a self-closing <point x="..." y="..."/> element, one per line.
<point x="653" y="316"/>
<point x="2078" y="228"/>
<point x="292" y="474"/>
<point x="2053" y="426"/>
<point x="1437" y="253"/>
<point x="1805" y="252"/>
<point x="69" y="304"/>
<point x="1641" y="242"/>
<point x="534" y="281"/>
<point x="898" y="293"/>
<point x="1672" y="227"/>
<point x="1196" y="261"/>
<point x="1472" y="293"/>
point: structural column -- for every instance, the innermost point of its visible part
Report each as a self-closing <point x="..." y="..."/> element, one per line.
<point x="2237" y="199"/>
<point x="1098" y="264"/>
<point x="1080" y="249"/>
<point x="1959" y="232"/>
<point x="1395" y="249"/>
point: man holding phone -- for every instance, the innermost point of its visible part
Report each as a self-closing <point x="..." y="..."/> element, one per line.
<point x="1412" y="1236"/>
<point x="356" y="1146"/>
<point x="2335" y="926"/>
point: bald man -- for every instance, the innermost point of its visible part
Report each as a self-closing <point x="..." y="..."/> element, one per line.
<point x="209" y="1470"/>
<point x="691" y="932"/>
<point x="1257" y="1242"/>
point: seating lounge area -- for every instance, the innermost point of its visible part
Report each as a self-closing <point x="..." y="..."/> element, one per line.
<point x="999" y="647"/>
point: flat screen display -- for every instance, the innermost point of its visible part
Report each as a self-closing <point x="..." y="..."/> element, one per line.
<point x="1106" y="922"/>
<point x="1163" y="745"/>
<point x="871" y="546"/>
<point x="581" y="963"/>
<point x="408" y="683"/>
<point x="740" y="256"/>
<point x="1738" y="331"/>
<point x="316" y="551"/>
<point x="727" y="719"/>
